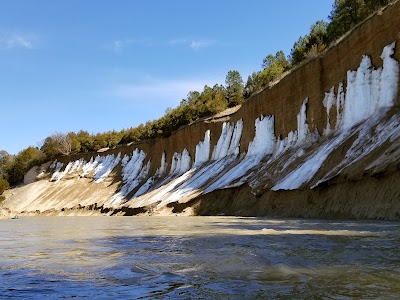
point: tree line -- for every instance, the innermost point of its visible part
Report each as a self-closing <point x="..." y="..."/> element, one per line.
<point x="344" y="16"/>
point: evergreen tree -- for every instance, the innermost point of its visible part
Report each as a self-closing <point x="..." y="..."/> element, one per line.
<point x="346" y="14"/>
<point x="234" y="88"/>
<point x="312" y="44"/>
<point x="25" y="160"/>
<point x="274" y="67"/>
<point x="5" y="160"/>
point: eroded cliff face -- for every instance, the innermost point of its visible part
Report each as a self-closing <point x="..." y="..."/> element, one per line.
<point x="323" y="142"/>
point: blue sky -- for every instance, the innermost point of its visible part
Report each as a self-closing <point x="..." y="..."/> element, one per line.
<point x="101" y="65"/>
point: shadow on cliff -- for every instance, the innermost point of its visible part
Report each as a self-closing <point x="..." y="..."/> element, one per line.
<point x="339" y="201"/>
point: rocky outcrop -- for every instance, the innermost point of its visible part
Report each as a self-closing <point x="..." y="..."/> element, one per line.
<point x="322" y="142"/>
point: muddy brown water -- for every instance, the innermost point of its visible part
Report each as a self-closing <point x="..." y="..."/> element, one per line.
<point x="198" y="258"/>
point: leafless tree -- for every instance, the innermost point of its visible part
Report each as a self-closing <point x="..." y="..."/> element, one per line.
<point x="57" y="143"/>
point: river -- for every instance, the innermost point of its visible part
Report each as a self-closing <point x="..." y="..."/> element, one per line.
<point x="198" y="258"/>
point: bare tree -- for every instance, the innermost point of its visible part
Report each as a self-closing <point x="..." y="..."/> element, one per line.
<point x="57" y="143"/>
<point x="64" y="144"/>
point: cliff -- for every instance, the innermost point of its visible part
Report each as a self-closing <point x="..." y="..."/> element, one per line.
<point x="322" y="142"/>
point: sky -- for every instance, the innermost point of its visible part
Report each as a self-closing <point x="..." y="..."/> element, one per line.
<point x="101" y="65"/>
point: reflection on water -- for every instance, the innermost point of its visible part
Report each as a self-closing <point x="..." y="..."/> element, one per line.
<point x="198" y="257"/>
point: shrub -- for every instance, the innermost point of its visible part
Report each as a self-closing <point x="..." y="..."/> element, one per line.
<point x="4" y="185"/>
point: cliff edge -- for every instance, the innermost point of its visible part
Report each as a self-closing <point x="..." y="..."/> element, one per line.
<point x="323" y="142"/>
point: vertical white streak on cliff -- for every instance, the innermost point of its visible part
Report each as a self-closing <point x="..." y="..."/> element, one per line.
<point x="161" y="193"/>
<point x="202" y="151"/>
<point x="104" y="169"/>
<point x="328" y="102"/>
<point x="282" y="145"/>
<point x="299" y="139"/>
<point x="53" y="164"/>
<point x="376" y="90"/>
<point x="133" y="173"/>
<point x="235" y="141"/>
<point x="185" y="162"/>
<point x="194" y="180"/>
<point x="174" y="162"/>
<point x="228" y="142"/>
<point x="124" y="160"/>
<point x="142" y="175"/>
<point x="150" y="181"/>
<point x="90" y="166"/>
<point x="264" y="138"/>
<point x="197" y="177"/>
<point x="369" y="93"/>
<point x="369" y="89"/>
<point x="63" y="173"/>
<point x="307" y="170"/>
<point x="302" y="137"/>
<point x="129" y="187"/>
<point x="355" y="110"/>
<point x="56" y="173"/>
<point x="303" y="132"/>
<point x="180" y="163"/>
<point x="130" y="167"/>
<point x="163" y="167"/>
<point x="77" y="165"/>
<point x="218" y="146"/>
<point x="295" y="142"/>
<point x="339" y="106"/>
<point x="144" y="188"/>
<point x="262" y="145"/>
<point x="101" y="167"/>
<point x="222" y="147"/>
<point x="370" y="136"/>
<point x="175" y="188"/>
<point x="388" y="131"/>
<point x="389" y="77"/>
